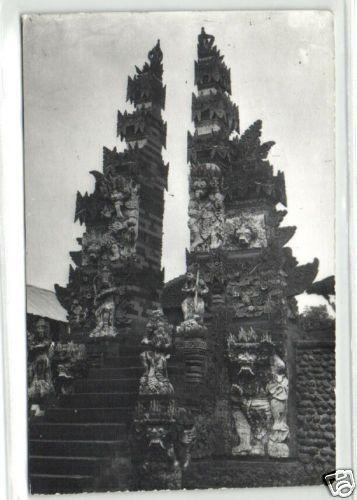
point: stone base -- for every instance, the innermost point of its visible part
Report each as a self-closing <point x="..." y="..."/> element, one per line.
<point x="243" y="472"/>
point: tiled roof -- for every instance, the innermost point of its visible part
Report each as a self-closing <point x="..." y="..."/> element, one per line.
<point x="41" y="302"/>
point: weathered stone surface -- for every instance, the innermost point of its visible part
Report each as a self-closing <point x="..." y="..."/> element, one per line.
<point x="315" y="409"/>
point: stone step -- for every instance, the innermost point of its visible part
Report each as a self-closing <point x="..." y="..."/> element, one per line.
<point x="83" y="466"/>
<point x="64" y="415"/>
<point x="79" y="431"/>
<point x="106" y="385"/>
<point x="99" y="400"/>
<point x="114" y="373"/>
<point x="77" y="448"/>
<point x="53" y="483"/>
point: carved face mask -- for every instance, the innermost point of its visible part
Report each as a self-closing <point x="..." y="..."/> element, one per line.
<point x="246" y="361"/>
<point x="244" y="236"/>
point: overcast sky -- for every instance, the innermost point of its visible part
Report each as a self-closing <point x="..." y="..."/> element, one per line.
<point x="75" y="75"/>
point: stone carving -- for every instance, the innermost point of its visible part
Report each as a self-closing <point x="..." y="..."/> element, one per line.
<point x="255" y="290"/>
<point x="155" y="379"/>
<point x="278" y="389"/>
<point x="77" y="314"/>
<point x="158" y="342"/>
<point x="53" y="367"/>
<point x="166" y="449"/>
<point x="192" y="329"/>
<point x="125" y="197"/>
<point x="245" y="231"/>
<point x="40" y="351"/>
<point x="195" y="289"/>
<point x="91" y="247"/>
<point x="205" y="210"/>
<point x="105" y="319"/>
<point x="164" y="433"/>
<point x="259" y="395"/>
<point x="210" y="70"/>
<point x="158" y="334"/>
<point x="205" y="43"/>
<point x="69" y="364"/>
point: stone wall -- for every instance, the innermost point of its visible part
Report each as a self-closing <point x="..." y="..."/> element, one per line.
<point x="315" y="407"/>
<point x="311" y="421"/>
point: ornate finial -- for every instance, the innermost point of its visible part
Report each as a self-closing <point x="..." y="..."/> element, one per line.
<point x="155" y="54"/>
<point x="205" y="44"/>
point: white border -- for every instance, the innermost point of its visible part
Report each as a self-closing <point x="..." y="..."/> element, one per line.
<point x="12" y="270"/>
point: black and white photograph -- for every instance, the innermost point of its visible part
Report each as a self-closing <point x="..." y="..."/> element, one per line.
<point x="179" y="177"/>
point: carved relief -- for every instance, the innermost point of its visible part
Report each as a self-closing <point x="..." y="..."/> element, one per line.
<point x="40" y="349"/>
<point x="164" y="433"/>
<point x="125" y="197"/>
<point x="245" y="231"/>
<point x="52" y="367"/>
<point x="105" y="319"/>
<point x="69" y="364"/>
<point x="258" y="291"/>
<point x="158" y="341"/>
<point x="192" y="329"/>
<point x="278" y="389"/>
<point x="195" y="289"/>
<point x="155" y="379"/>
<point x="259" y="395"/>
<point x="205" y="209"/>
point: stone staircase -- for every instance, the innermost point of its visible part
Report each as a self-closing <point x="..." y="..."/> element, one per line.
<point x="80" y="441"/>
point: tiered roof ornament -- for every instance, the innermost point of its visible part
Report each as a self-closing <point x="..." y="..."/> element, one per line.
<point x="210" y="70"/>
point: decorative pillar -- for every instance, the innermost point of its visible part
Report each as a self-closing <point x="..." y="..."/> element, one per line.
<point x="192" y="329"/>
<point x="164" y="432"/>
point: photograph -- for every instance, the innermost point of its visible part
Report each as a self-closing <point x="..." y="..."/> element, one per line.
<point x="179" y="177"/>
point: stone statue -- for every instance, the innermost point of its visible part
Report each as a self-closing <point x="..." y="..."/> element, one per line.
<point x="195" y="289"/>
<point x="105" y="314"/>
<point x="192" y="329"/>
<point x="158" y="334"/>
<point x="103" y="282"/>
<point x="155" y="379"/>
<point x="69" y="363"/>
<point x="278" y="388"/>
<point x="259" y="395"/>
<point x="91" y="247"/>
<point x="123" y="229"/>
<point x="77" y="313"/>
<point x="158" y="341"/>
<point x="40" y="383"/>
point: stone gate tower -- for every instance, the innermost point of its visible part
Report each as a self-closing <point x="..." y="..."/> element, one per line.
<point x="118" y="272"/>
<point x="241" y="281"/>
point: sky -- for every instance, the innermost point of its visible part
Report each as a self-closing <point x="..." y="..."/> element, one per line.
<point x="75" y="70"/>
